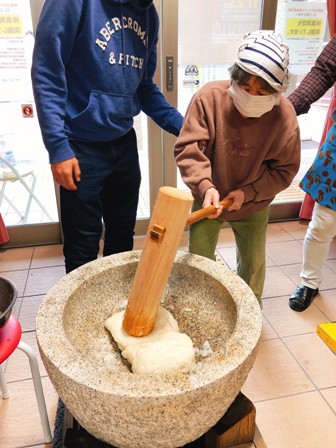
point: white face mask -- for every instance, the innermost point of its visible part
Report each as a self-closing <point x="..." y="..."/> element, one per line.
<point x="252" y="105"/>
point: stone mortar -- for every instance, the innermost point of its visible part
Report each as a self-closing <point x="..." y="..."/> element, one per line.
<point x="210" y="303"/>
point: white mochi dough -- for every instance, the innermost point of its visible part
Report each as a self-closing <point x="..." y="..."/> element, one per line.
<point x="170" y="352"/>
<point x="164" y="322"/>
<point x="164" y="350"/>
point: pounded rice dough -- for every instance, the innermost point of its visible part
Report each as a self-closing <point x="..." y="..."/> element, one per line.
<point x="164" y="350"/>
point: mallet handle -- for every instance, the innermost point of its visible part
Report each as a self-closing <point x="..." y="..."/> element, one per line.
<point x="207" y="211"/>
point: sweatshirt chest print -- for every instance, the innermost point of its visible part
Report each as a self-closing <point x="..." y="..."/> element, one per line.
<point x="114" y="26"/>
<point x="239" y="149"/>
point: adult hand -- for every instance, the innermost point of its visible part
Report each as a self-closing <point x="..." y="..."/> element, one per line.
<point x="66" y="173"/>
<point x="211" y="197"/>
<point x="238" y="197"/>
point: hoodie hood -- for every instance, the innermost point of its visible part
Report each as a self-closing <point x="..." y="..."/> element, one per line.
<point x="139" y="4"/>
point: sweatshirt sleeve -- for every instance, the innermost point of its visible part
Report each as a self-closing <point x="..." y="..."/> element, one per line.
<point x="55" y="36"/>
<point x="152" y="100"/>
<point x="316" y="83"/>
<point x="279" y="171"/>
<point x="194" y="166"/>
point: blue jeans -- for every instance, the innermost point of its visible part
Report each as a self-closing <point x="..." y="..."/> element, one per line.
<point x="107" y="192"/>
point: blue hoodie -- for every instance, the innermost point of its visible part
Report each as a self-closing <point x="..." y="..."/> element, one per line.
<point x="92" y="72"/>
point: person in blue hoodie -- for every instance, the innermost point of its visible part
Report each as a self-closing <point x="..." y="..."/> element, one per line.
<point x="92" y="72"/>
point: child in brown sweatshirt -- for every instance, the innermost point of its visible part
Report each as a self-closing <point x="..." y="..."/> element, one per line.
<point x="252" y="151"/>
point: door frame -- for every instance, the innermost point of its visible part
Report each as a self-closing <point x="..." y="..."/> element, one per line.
<point x="162" y="167"/>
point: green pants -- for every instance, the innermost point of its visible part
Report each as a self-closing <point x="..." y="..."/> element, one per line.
<point x="250" y="236"/>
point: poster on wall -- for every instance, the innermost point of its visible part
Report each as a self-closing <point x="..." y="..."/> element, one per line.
<point x="16" y="46"/>
<point x="304" y="28"/>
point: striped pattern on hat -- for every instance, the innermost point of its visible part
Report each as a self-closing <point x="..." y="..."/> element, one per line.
<point x="263" y="53"/>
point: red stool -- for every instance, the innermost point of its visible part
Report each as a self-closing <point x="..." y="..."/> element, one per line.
<point x="10" y="339"/>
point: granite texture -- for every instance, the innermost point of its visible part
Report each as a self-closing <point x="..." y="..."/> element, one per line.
<point x="210" y="303"/>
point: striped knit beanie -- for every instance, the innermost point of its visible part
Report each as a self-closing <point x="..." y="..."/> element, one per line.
<point x="263" y="53"/>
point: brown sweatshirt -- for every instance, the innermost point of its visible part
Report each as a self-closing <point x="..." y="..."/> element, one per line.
<point x="258" y="155"/>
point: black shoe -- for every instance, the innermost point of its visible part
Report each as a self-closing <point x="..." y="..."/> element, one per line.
<point x="302" y="298"/>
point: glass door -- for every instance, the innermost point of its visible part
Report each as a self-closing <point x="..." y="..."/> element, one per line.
<point x="208" y="36"/>
<point x="303" y="25"/>
<point x="27" y="195"/>
<point x="29" y="199"/>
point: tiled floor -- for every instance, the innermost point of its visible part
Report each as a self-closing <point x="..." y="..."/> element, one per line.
<point x="292" y="383"/>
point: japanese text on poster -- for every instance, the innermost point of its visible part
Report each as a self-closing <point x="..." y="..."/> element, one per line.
<point x="16" y="43"/>
<point x="304" y="29"/>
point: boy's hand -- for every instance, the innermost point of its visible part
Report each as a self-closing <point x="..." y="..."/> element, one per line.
<point x="66" y="173"/>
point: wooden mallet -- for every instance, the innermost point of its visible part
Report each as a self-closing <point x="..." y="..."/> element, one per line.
<point x="168" y="221"/>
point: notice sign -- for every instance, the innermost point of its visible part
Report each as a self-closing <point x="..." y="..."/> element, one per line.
<point x="27" y="110"/>
<point x="10" y="25"/>
<point x="304" y="29"/>
<point x="16" y="44"/>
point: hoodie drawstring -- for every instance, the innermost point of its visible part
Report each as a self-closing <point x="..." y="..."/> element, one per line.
<point x="122" y="37"/>
<point x="147" y="31"/>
